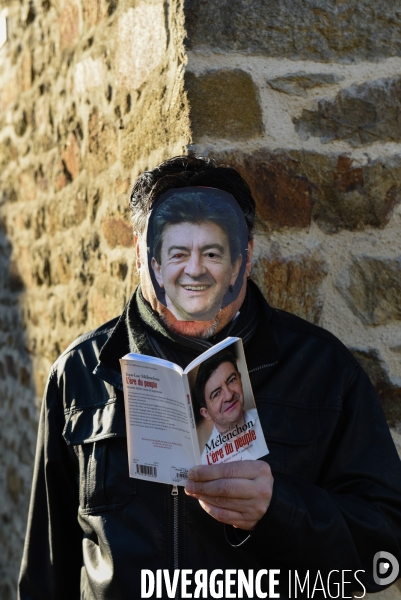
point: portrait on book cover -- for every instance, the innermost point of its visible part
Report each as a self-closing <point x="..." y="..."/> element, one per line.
<point x="197" y="242"/>
<point x="228" y="426"/>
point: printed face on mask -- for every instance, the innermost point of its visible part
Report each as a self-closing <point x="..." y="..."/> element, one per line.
<point x="224" y="397"/>
<point x="197" y="241"/>
<point x="196" y="270"/>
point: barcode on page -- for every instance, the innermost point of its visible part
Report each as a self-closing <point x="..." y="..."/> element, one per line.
<point x="182" y="475"/>
<point x="146" y="470"/>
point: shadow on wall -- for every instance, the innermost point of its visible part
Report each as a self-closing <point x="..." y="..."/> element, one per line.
<point x="18" y="421"/>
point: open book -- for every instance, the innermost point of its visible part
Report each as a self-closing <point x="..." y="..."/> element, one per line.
<point x="176" y="419"/>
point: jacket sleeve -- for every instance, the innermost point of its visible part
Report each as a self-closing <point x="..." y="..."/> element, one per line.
<point x="52" y="557"/>
<point x="353" y="510"/>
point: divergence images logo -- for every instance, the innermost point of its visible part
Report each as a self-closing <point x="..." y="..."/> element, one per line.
<point x="385" y="568"/>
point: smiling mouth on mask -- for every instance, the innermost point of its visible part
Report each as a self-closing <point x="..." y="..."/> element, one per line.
<point x="195" y="288"/>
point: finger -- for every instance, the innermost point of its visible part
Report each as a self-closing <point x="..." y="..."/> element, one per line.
<point x="233" y="504"/>
<point x="250" y="509"/>
<point x="232" y="488"/>
<point x="229" y="517"/>
<point x="247" y="469"/>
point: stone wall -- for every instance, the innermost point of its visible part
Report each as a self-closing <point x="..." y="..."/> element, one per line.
<point x="302" y="97"/>
<point x="91" y="94"/>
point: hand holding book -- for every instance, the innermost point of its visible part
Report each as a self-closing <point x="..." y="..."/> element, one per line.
<point x="237" y="493"/>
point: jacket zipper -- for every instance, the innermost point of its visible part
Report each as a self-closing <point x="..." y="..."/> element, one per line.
<point x="263" y="367"/>
<point x="174" y="493"/>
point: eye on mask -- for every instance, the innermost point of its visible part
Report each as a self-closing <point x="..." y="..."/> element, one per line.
<point x="197" y="243"/>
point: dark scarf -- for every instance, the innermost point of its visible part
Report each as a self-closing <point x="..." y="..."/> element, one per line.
<point x="149" y="335"/>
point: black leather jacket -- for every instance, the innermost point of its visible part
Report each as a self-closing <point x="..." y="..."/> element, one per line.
<point x="337" y="476"/>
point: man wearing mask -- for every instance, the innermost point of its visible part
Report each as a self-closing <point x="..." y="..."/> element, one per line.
<point x="196" y="252"/>
<point x="326" y="498"/>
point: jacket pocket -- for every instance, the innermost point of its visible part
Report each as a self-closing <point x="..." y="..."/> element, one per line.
<point x="98" y="435"/>
<point x="292" y="435"/>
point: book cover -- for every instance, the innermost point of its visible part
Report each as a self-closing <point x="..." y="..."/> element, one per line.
<point x="176" y="419"/>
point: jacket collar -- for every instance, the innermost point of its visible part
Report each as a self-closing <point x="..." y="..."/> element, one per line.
<point x="261" y="350"/>
<point x="116" y="346"/>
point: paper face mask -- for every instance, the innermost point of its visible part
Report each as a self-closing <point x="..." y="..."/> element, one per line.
<point x="197" y="243"/>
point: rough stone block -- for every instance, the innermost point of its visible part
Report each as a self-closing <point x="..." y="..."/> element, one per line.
<point x="27" y="185"/>
<point x="92" y="12"/>
<point x="297" y="84"/>
<point x="142" y="136"/>
<point x="74" y="208"/>
<point x="16" y="283"/>
<point x="20" y="122"/>
<point x="8" y="152"/>
<point x="9" y="92"/>
<point x="11" y="367"/>
<point x="88" y="74"/>
<point x="61" y="268"/>
<point x="41" y="266"/>
<point x="388" y="392"/>
<point x="87" y="256"/>
<point x="23" y="258"/>
<point x="40" y="380"/>
<point x="141" y="43"/>
<point x="14" y="483"/>
<point x="321" y="31"/>
<point x="117" y="232"/>
<point x="106" y="300"/>
<point x="25" y="378"/>
<point x="42" y="115"/>
<point x="295" y="283"/>
<point x="62" y="176"/>
<point x="372" y="289"/>
<point x="224" y="104"/>
<point x="74" y="308"/>
<point x="158" y="125"/>
<point x="94" y="200"/>
<point x="283" y="195"/>
<point x="291" y="187"/>
<point x="41" y="180"/>
<point x="119" y="269"/>
<point x="68" y="23"/>
<point x="102" y="145"/>
<point x="362" y="114"/>
<point x="71" y="156"/>
<point x="122" y="185"/>
<point x="26" y="73"/>
<point x="352" y="197"/>
<point x="43" y="142"/>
